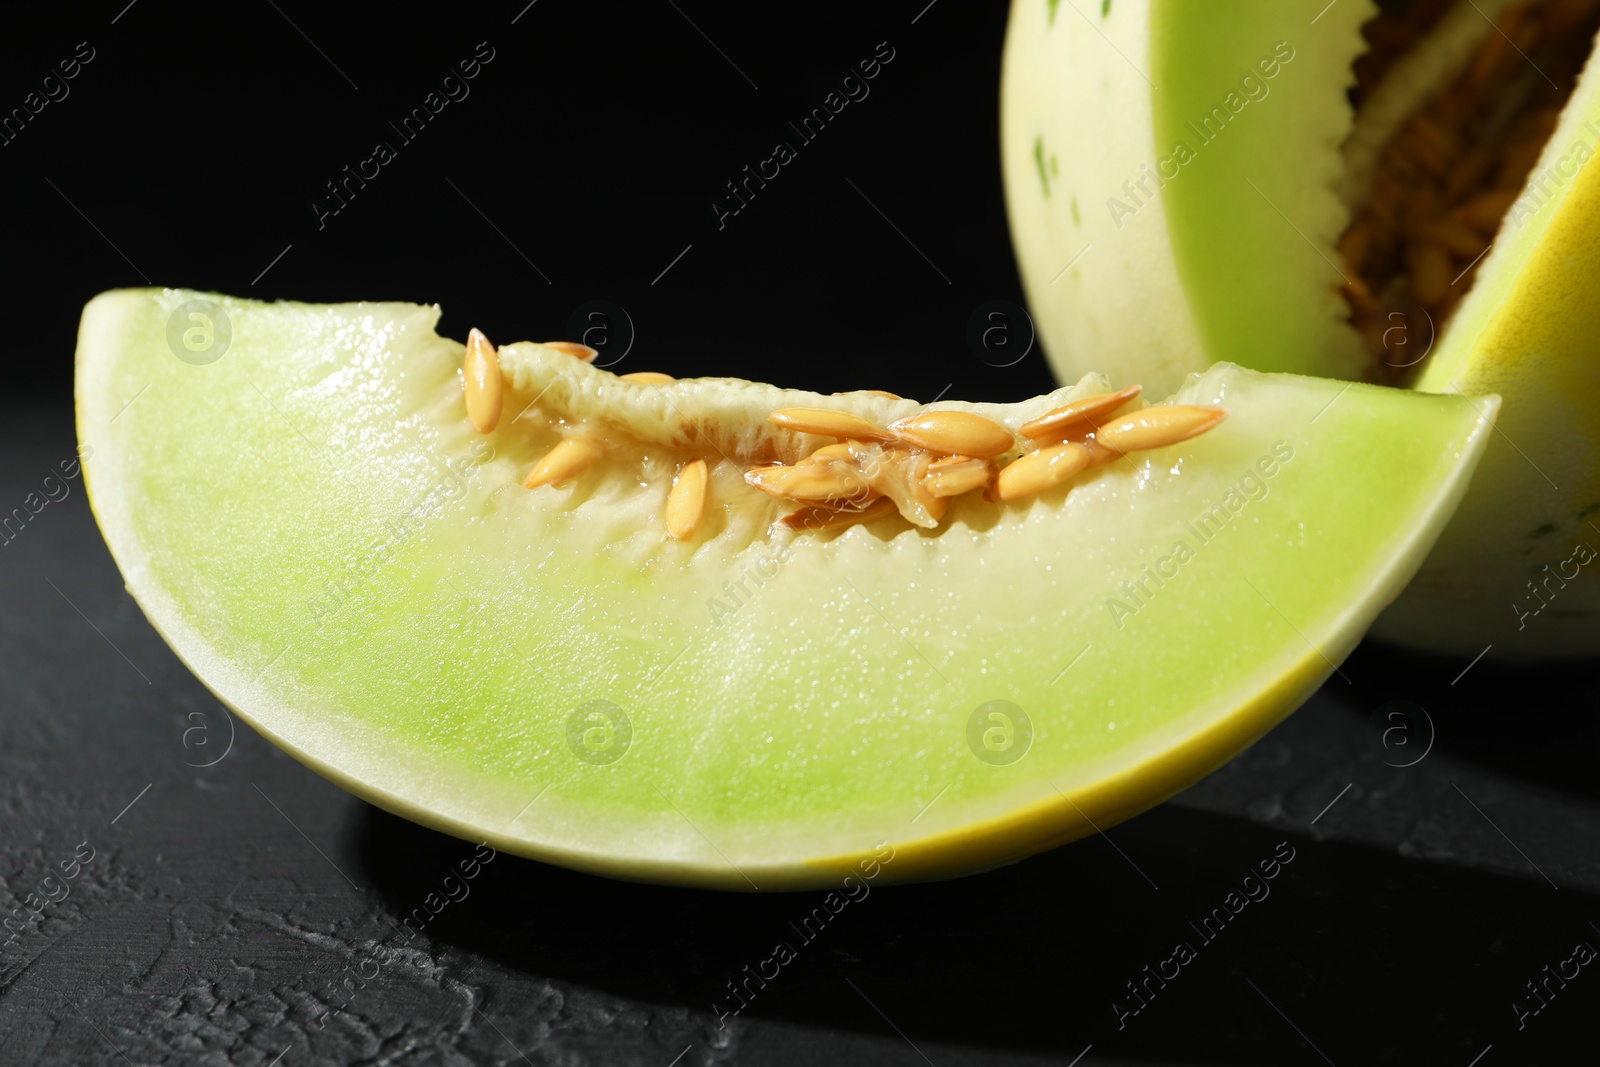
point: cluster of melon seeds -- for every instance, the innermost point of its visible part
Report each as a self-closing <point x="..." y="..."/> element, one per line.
<point x="914" y="466"/>
<point x="1447" y="178"/>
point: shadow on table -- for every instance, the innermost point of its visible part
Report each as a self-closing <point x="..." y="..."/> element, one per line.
<point x="1372" y="957"/>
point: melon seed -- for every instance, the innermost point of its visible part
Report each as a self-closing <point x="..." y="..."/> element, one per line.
<point x="1158" y="427"/>
<point x="959" y="432"/>
<point x="1080" y="416"/>
<point x="573" y="349"/>
<point x="1044" y="469"/>
<point x="824" y="518"/>
<point x="567" y="460"/>
<point x="481" y="383"/>
<point x="810" y="482"/>
<point x="844" y="451"/>
<point x="686" y="501"/>
<point x="825" y="422"/>
<point x="955" y="475"/>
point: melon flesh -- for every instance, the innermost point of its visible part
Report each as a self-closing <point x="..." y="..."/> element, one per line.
<point x="314" y="526"/>
<point x="1187" y="256"/>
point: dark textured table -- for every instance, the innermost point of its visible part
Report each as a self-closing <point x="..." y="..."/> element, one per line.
<point x="178" y="891"/>
<point x="182" y="892"/>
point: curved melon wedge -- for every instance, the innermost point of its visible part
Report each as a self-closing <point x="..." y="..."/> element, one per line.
<point x="316" y="528"/>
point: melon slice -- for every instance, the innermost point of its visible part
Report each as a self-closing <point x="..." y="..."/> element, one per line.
<point x="1398" y="191"/>
<point x="325" y="537"/>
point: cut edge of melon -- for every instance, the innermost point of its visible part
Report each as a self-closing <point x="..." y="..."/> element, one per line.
<point x="1267" y="194"/>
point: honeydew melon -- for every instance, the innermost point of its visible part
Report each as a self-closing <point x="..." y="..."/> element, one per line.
<point x="312" y="522"/>
<point x="1182" y="179"/>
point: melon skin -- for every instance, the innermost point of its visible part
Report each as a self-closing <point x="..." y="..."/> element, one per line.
<point x="1147" y="222"/>
<point x="313" y="525"/>
<point x="1232" y="259"/>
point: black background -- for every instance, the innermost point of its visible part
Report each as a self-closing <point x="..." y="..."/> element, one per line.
<point x="583" y="162"/>
<point x="1442" y="814"/>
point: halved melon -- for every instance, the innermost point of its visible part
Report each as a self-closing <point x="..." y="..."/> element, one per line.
<point x="1399" y="191"/>
<point x="321" y="533"/>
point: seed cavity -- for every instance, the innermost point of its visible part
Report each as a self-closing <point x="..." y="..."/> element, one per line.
<point x="1079" y="417"/>
<point x="567" y="460"/>
<point x="955" y="432"/>
<point x="648" y="377"/>
<point x="1158" y="427"/>
<point x="574" y="349"/>
<point x="1429" y="189"/>
<point x="686" y="501"/>
<point x="825" y="422"/>
<point x="913" y="468"/>
<point x="481" y="383"/>
<point x="902" y="476"/>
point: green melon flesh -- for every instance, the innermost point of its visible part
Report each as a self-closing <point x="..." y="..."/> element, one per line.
<point x="1231" y="256"/>
<point x="1200" y="266"/>
<point x="313" y="525"/>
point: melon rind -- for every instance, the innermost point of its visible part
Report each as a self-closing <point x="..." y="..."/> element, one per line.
<point x="824" y="720"/>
